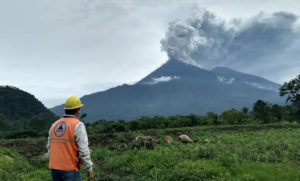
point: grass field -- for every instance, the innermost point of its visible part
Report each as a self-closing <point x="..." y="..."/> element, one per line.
<point x="253" y="152"/>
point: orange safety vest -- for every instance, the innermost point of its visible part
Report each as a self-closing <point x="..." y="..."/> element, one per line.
<point x="64" y="153"/>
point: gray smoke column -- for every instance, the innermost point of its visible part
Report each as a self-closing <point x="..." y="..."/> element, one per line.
<point x="207" y="41"/>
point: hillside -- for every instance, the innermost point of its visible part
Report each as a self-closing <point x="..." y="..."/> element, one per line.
<point x="179" y="88"/>
<point x="18" y="104"/>
<point x="22" y="115"/>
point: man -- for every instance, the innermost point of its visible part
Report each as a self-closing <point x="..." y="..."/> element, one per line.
<point x="68" y="145"/>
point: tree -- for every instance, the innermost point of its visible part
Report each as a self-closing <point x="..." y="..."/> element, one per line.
<point x="292" y="90"/>
<point x="245" y="110"/>
<point x="39" y="122"/>
<point x="261" y="111"/>
<point x="5" y="123"/>
<point x="232" y="117"/>
<point x="212" y="118"/>
<point x="277" y="112"/>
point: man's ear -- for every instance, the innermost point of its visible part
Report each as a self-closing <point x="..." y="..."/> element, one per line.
<point x="78" y="111"/>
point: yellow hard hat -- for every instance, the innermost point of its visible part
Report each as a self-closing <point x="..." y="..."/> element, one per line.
<point x="73" y="102"/>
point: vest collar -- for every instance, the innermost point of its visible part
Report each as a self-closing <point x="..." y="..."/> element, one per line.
<point x="69" y="116"/>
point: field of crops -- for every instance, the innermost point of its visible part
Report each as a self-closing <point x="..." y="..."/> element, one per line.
<point x="254" y="152"/>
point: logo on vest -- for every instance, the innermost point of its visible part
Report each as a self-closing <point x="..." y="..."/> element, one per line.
<point x="60" y="129"/>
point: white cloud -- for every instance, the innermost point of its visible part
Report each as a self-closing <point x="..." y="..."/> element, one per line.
<point x="225" y="80"/>
<point x="162" y="79"/>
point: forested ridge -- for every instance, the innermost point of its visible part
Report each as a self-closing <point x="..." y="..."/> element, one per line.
<point x="21" y="114"/>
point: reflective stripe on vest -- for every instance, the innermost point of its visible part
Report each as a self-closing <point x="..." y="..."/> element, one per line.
<point x="63" y="148"/>
<point x="63" y="140"/>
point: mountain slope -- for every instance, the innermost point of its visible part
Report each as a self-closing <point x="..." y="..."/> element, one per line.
<point x="178" y="88"/>
<point x="251" y="80"/>
<point x="17" y="104"/>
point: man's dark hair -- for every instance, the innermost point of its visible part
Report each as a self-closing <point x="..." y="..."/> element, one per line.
<point x="71" y="111"/>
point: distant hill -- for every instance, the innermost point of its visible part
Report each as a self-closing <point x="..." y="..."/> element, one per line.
<point x="17" y="104"/>
<point x="179" y="88"/>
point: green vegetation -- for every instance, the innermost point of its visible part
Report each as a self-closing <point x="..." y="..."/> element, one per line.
<point x="291" y="89"/>
<point x="22" y="115"/>
<point x="261" y="113"/>
<point x="16" y="104"/>
<point x="249" y="152"/>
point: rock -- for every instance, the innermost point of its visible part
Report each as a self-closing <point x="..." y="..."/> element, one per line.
<point x="7" y="158"/>
<point x="45" y="156"/>
<point x="144" y="141"/>
<point x="185" y="139"/>
<point x="168" y="139"/>
<point x="122" y="147"/>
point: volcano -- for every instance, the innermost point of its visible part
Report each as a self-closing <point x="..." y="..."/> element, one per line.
<point x="179" y="88"/>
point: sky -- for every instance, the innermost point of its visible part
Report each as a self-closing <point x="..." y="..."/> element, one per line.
<point x="58" y="48"/>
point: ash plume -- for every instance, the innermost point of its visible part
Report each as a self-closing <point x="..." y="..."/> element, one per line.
<point x="208" y="41"/>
